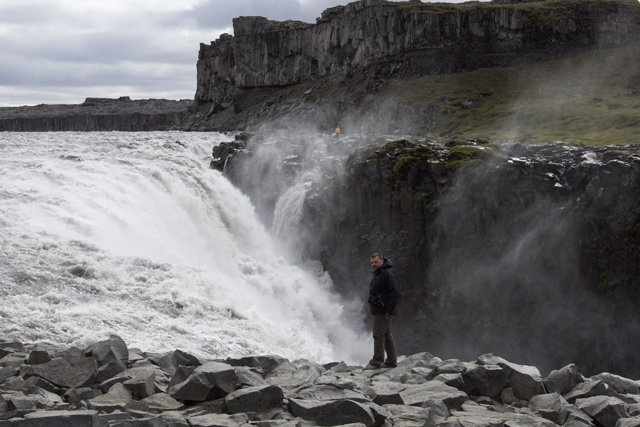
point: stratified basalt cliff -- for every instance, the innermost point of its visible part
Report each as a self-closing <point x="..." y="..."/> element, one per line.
<point x="530" y="250"/>
<point x="366" y="43"/>
<point x="96" y="114"/>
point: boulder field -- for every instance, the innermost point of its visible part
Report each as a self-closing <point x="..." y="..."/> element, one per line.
<point x="108" y="384"/>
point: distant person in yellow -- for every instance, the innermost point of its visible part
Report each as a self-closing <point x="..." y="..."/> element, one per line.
<point x="337" y="134"/>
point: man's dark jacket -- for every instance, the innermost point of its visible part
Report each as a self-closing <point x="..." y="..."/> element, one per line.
<point x="384" y="286"/>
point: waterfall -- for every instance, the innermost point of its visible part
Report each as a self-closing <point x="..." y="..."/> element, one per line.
<point x="132" y="234"/>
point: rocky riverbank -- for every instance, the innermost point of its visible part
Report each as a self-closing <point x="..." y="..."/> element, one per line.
<point x="108" y="384"/>
<point x="96" y="114"/>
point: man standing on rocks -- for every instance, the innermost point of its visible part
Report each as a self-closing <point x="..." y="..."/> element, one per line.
<point x="383" y="297"/>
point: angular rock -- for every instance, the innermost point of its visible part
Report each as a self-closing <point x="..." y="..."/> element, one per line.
<point x="142" y="385"/>
<point x="628" y="422"/>
<point x="332" y="413"/>
<point x="213" y="420"/>
<point x="417" y="395"/>
<point x="112" y="350"/>
<point x="454" y="380"/>
<point x="487" y="380"/>
<point x="8" y="373"/>
<point x="174" y="419"/>
<point x="13" y="359"/>
<point x="59" y="419"/>
<point x="38" y="355"/>
<point x="75" y="395"/>
<point x="420" y="360"/>
<point x="109" y="370"/>
<point x="266" y="363"/>
<point x="523" y="420"/>
<point x="620" y="384"/>
<point x="331" y="392"/>
<point x="605" y="410"/>
<point x="162" y="402"/>
<point x="71" y="372"/>
<point x="249" y="377"/>
<point x="585" y="389"/>
<point x="181" y="374"/>
<point x="525" y="381"/>
<point x="550" y="406"/>
<point x="118" y="398"/>
<point x="563" y="380"/>
<point x="254" y="399"/>
<point x="388" y="393"/>
<point x="289" y="375"/>
<point x="209" y="381"/>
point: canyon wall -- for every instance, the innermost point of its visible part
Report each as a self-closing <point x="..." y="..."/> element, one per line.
<point x="406" y="39"/>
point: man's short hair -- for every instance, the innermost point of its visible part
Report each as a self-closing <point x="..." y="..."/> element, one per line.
<point x="376" y="255"/>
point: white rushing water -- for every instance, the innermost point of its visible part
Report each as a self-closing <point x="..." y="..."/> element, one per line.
<point x="132" y="234"/>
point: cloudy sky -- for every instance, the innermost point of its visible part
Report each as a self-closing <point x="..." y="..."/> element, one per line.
<point x="62" y="51"/>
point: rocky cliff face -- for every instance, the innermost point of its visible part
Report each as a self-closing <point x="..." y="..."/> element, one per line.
<point x="527" y="250"/>
<point x="96" y="114"/>
<point x="531" y="250"/>
<point x="409" y="39"/>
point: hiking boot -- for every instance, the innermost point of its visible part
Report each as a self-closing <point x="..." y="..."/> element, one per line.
<point x="385" y="366"/>
<point x="370" y="367"/>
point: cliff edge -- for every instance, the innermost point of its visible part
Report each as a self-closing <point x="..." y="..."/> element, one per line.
<point x="270" y="69"/>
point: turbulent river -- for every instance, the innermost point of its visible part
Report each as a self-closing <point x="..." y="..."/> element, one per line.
<point x="132" y="234"/>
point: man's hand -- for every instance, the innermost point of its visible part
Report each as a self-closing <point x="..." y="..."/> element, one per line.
<point x="388" y="318"/>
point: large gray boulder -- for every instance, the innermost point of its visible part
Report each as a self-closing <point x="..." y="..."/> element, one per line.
<point x="453" y="380"/>
<point x="387" y="393"/>
<point x="248" y="377"/>
<point x="417" y="395"/>
<point x="112" y="350"/>
<point x="70" y="372"/>
<point x="210" y="381"/>
<point x="550" y="406"/>
<point x="486" y="380"/>
<point x="605" y="410"/>
<point x="8" y="373"/>
<point x="589" y="388"/>
<point x="38" y="355"/>
<point x="620" y="384"/>
<point x="563" y="380"/>
<point x="254" y="399"/>
<point x="332" y="413"/>
<point x="59" y="419"/>
<point x="142" y="385"/>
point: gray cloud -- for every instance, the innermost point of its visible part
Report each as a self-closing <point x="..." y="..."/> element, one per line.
<point x="62" y="51"/>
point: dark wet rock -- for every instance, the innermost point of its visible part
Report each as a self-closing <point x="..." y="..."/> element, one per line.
<point x="332" y="413"/>
<point x="209" y="381"/>
<point x="71" y="372"/>
<point x="112" y="350"/>
<point x="75" y="395"/>
<point x="8" y="373"/>
<point x="142" y="385"/>
<point x="563" y="380"/>
<point x="254" y="399"/>
<point x="38" y="355"/>
<point x="605" y="410"/>
<point x="487" y="380"/>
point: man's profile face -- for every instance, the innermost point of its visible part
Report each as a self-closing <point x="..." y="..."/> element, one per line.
<point x="376" y="263"/>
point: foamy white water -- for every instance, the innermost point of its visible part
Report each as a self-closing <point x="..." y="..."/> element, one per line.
<point x="132" y="234"/>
